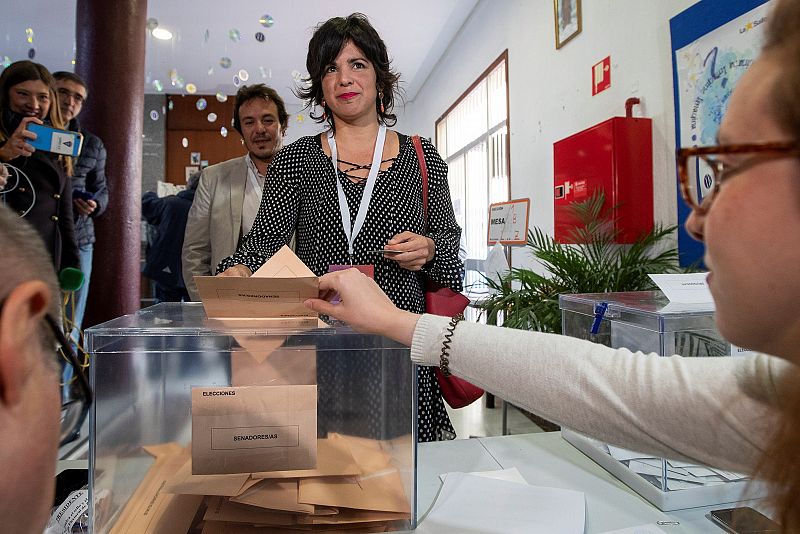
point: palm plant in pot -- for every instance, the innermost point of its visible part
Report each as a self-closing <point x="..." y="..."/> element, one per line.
<point x="595" y="263"/>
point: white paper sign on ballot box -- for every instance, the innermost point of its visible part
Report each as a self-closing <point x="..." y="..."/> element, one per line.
<point x="508" y="222"/>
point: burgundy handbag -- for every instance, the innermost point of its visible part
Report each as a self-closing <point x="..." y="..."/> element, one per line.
<point x="441" y="300"/>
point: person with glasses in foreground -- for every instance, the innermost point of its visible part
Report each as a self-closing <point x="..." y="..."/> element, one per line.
<point x="734" y="413"/>
<point x="29" y="381"/>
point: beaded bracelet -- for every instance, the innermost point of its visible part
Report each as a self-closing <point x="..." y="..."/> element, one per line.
<point x="444" y="357"/>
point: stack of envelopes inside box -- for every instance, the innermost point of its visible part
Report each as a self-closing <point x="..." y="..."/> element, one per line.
<point x="354" y="488"/>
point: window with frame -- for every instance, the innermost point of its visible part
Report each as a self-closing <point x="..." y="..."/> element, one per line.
<point x="472" y="137"/>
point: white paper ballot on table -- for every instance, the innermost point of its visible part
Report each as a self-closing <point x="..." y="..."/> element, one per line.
<point x="509" y="475"/>
<point x="690" y="288"/>
<point x="480" y="505"/>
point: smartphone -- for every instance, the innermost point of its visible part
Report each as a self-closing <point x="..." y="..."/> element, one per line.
<point x="744" y="520"/>
<point x="81" y="194"/>
<point x="57" y="141"/>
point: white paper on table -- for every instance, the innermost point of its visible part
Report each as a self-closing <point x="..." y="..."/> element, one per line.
<point x="639" y="529"/>
<point x="480" y="505"/>
<point x="689" y="288"/>
<point x="509" y="475"/>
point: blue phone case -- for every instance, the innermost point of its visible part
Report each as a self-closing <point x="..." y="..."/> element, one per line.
<point x="57" y="141"/>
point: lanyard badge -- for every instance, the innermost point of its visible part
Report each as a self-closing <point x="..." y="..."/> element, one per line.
<point x="351" y="230"/>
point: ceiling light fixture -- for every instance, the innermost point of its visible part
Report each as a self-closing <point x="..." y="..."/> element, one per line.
<point x="163" y="34"/>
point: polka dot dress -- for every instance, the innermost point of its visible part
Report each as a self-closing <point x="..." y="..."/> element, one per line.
<point x="300" y="197"/>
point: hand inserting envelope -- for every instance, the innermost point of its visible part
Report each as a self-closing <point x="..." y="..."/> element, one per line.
<point x="276" y="291"/>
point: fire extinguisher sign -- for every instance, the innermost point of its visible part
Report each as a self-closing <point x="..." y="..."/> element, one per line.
<point x="508" y="222"/>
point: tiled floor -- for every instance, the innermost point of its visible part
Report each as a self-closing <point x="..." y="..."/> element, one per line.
<point x="478" y="421"/>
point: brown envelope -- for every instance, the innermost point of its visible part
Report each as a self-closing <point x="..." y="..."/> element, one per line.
<point x="151" y="509"/>
<point x="280" y="366"/>
<point x="275" y="495"/>
<point x="381" y="491"/>
<point x="185" y="483"/>
<point x="368" y="453"/>
<point x="218" y="527"/>
<point x="353" y="516"/>
<point x="221" y="509"/>
<point x="333" y="459"/>
<point x="253" y="428"/>
<point x="276" y="290"/>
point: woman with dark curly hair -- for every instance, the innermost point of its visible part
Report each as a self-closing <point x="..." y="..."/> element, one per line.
<point x="355" y="191"/>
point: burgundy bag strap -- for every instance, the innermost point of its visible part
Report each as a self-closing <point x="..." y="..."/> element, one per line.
<point x="423" y="167"/>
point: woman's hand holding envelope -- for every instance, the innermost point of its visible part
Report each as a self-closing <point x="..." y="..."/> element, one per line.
<point x="363" y="305"/>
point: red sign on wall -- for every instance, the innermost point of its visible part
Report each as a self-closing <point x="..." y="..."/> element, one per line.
<point x="601" y="76"/>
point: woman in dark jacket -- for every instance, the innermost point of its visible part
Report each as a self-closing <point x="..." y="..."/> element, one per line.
<point x="39" y="186"/>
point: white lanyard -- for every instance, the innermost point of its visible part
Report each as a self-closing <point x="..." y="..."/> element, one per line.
<point x="349" y="233"/>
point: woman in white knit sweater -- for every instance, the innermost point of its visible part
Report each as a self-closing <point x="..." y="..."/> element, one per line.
<point x="734" y="413"/>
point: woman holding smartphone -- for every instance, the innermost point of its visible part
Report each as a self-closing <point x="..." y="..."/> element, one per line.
<point x="737" y="413"/>
<point x="39" y="186"/>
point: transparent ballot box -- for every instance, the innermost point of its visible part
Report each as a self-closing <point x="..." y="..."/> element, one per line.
<point x="646" y="321"/>
<point x="203" y="425"/>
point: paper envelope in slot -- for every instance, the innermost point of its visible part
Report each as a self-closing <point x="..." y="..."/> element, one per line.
<point x="253" y="428"/>
<point x="275" y="291"/>
<point x="280" y="366"/>
<point x="381" y="491"/>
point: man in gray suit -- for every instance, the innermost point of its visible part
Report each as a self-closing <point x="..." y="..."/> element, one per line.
<point x="227" y="199"/>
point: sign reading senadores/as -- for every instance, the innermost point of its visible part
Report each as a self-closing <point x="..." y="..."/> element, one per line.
<point x="508" y="222"/>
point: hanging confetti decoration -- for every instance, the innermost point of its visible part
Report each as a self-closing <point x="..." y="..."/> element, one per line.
<point x="210" y="71"/>
<point x="236" y="81"/>
<point x="201" y="104"/>
<point x="212" y="117"/>
<point x="171" y="105"/>
<point x="152" y="24"/>
<point x="158" y="86"/>
<point x="301" y="118"/>
<point x="191" y="88"/>
<point x="267" y="21"/>
<point x="6" y="61"/>
<point x="206" y="35"/>
<point x="244" y="75"/>
<point x="223" y="132"/>
<point x="185" y="142"/>
<point x="154" y="115"/>
<point x="260" y="37"/>
<point x="221" y="97"/>
<point x="29" y="35"/>
<point x="234" y="35"/>
<point x="225" y="62"/>
<point x="31" y="53"/>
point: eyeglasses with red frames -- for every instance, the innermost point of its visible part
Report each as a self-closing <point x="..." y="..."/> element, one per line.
<point x="701" y="170"/>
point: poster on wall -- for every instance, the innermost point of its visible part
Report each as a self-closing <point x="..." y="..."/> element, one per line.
<point x="713" y="44"/>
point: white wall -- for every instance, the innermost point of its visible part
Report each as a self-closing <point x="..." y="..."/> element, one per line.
<point x="550" y="93"/>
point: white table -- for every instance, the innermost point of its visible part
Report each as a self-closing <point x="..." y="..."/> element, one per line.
<point x="546" y="459"/>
